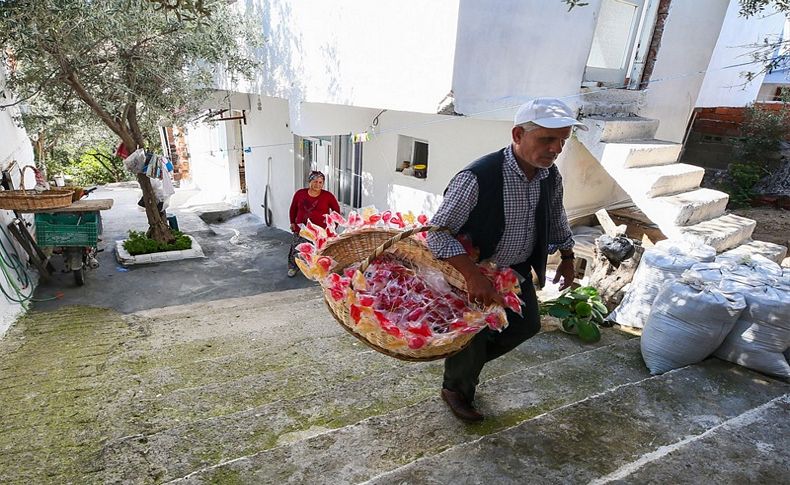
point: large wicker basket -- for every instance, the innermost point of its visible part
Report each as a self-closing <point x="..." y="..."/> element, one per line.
<point x="30" y="200"/>
<point x="365" y="245"/>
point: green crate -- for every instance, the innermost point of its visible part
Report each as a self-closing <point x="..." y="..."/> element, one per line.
<point x="66" y="229"/>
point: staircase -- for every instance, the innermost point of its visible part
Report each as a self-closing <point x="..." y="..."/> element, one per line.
<point x="270" y="389"/>
<point x="666" y="191"/>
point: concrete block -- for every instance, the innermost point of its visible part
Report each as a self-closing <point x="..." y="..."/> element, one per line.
<point x="774" y="252"/>
<point x="686" y="208"/>
<point x="724" y="232"/>
<point x="660" y="180"/>
<point x="617" y="128"/>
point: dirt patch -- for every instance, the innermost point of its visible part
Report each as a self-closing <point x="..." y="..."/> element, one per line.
<point x="773" y="225"/>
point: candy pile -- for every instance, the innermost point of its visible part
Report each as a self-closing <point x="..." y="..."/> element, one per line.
<point x="413" y="304"/>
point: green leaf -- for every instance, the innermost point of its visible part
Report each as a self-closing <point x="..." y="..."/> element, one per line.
<point x="569" y="326"/>
<point x="588" y="332"/>
<point x="600" y="307"/>
<point x="564" y="300"/>
<point x="587" y="290"/>
<point x="583" y="309"/>
<point x="559" y="312"/>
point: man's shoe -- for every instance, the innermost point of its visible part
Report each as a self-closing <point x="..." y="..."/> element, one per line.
<point x="462" y="409"/>
<point x="291" y="272"/>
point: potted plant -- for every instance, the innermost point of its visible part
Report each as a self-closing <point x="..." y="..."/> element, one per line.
<point x="580" y="311"/>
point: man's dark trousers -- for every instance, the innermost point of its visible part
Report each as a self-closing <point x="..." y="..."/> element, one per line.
<point x="462" y="370"/>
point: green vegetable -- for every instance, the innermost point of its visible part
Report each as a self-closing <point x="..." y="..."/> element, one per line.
<point x="580" y="312"/>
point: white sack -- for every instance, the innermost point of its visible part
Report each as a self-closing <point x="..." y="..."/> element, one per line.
<point x="694" y="250"/>
<point x="761" y="336"/>
<point x="658" y="266"/>
<point x="689" y="320"/>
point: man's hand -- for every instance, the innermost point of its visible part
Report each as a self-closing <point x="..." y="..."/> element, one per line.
<point x="294" y="228"/>
<point x="478" y="287"/>
<point x="481" y="291"/>
<point x="567" y="271"/>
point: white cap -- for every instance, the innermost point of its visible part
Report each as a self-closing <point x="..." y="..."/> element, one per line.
<point x="548" y="113"/>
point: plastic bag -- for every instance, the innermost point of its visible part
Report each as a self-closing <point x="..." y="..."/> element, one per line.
<point x="689" y="321"/>
<point x="134" y="163"/>
<point x="694" y="250"/>
<point x="761" y="337"/>
<point x="658" y="266"/>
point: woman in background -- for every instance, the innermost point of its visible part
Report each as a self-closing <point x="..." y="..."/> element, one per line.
<point x="310" y="204"/>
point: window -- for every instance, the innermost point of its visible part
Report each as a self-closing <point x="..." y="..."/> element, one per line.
<point x="412" y="157"/>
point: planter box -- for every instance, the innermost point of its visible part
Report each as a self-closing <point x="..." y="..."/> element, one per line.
<point x="126" y="259"/>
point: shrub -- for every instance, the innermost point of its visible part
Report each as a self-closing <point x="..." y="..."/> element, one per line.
<point x="139" y="243"/>
<point x="580" y="311"/>
<point x="743" y="177"/>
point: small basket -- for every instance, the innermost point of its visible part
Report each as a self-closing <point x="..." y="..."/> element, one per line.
<point x="367" y="244"/>
<point x="80" y="229"/>
<point x="30" y="200"/>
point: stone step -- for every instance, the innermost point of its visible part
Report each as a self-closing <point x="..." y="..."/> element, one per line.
<point x="686" y="208"/>
<point x="722" y="233"/>
<point x="376" y="386"/>
<point x="611" y="433"/>
<point x="774" y="252"/>
<point x="611" y="102"/>
<point x="638" y="153"/>
<point x="616" y="128"/>
<point x="384" y="442"/>
<point x="659" y="180"/>
<point x="745" y="449"/>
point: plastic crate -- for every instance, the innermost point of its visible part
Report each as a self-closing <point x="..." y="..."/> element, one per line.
<point x="65" y="229"/>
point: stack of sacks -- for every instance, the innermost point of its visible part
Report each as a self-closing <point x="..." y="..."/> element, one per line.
<point x="689" y="320"/>
<point x="661" y="264"/>
<point x="760" y="339"/>
<point x="749" y="270"/>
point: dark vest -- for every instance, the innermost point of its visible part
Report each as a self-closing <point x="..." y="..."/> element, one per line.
<point x="486" y="223"/>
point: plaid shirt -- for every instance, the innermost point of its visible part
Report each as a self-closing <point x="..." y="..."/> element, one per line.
<point x="521" y="197"/>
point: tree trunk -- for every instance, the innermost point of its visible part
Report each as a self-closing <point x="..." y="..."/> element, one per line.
<point x="158" y="229"/>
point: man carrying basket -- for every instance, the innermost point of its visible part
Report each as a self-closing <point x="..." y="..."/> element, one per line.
<point x="509" y="204"/>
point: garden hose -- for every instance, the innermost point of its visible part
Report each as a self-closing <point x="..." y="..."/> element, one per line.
<point x="8" y="262"/>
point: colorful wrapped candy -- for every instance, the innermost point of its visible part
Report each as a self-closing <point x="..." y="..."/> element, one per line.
<point x="412" y="304"/>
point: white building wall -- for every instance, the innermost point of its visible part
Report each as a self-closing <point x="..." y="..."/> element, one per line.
<point x="14" y="146"/>
<point x="509" y="51"/>
<point x="690" y="35"/>
<point x="397" y="53"/>
<point x="453" y="143"/>
<point x="724" y="85"/>
<point x="270" y="142"/>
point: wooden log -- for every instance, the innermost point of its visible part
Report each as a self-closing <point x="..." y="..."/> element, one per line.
<point x="608" y="225"/>
<point x="610" y="280"/>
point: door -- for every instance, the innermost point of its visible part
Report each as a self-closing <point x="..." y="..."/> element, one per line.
<point x="614" y="41"/>
<point x="347" y="172"/>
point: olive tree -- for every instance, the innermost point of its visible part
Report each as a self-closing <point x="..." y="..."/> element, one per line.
<point x="130" y="64"/>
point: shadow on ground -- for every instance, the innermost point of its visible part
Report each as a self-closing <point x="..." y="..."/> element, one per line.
<point x="243" y="257"/>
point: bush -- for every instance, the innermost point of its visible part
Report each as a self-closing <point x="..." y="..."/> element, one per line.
<point x="762" y="133"/>
<point x="743" y="178"/>
<point x="139" y="243"/>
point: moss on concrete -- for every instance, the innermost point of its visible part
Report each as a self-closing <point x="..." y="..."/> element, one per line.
<point x="53" y="393"/>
